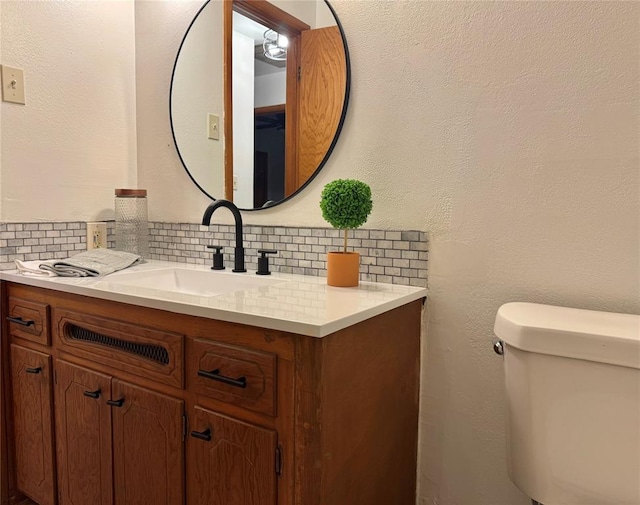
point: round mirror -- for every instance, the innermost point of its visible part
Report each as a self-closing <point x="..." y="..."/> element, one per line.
<point x="258" y="97"/>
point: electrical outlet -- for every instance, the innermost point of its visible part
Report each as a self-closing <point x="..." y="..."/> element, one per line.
<point x="96" y="236"/>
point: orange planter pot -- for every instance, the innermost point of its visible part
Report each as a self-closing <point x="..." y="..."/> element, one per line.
<point x="343" y="269"/>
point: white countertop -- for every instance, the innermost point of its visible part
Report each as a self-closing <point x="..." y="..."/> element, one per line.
<point x="298" y="304"/>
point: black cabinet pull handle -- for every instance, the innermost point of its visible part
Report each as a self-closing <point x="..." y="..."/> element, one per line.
<point x="202" y="435"/>
<point x="33" y="370"/>
<point x="116" y="403"/>
<point x="19" y="320"/>
<point x="93" y="394"/>
<point x="240" y="382"/>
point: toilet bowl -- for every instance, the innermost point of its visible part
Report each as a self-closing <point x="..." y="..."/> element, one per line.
<point x="572" y="380"/>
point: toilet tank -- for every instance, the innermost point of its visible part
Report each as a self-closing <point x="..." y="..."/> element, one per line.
<point x="572" y="382"/>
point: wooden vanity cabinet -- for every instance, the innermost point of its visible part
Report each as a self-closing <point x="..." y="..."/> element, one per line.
<point x="83" y="435"/>
<point x="114" y="439"/>
<point x="230" y="461"/>
<point x="147" y="446"/>
<point x="153" y="407"/>
<point x="31" y="378"/>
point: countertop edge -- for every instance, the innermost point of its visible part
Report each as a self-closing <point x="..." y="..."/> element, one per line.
<point x="290" y="326"/>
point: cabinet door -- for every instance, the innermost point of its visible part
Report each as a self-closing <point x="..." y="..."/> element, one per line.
<point x="230" y="462"/>
<point x="32" y="424"/>
<point x="148" y="446"/>
<point x="83" y="429"/>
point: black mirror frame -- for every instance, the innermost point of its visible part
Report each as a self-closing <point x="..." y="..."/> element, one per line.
<point x="335" y="137"/>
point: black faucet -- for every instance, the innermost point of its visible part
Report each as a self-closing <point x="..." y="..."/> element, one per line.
<point x="239" y="250"/>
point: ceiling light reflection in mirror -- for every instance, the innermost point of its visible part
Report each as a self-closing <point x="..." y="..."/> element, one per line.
<point x="275" y="45"/>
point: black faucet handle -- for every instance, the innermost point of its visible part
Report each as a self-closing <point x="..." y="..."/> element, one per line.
<point x="218" y="258"/>
<point x="263" y="261"/>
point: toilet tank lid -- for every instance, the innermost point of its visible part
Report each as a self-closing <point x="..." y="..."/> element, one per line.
<point x="605" y="337"/>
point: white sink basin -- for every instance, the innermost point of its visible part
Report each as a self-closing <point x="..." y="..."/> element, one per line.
<point x="189" y="281"/>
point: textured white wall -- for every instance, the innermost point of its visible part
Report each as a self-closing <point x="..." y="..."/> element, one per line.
<point x="271" y="89"/>
<point x="160" y="26"/>
<point x="305" y="11"/>
<point x="73" y="143"/>
<point x="243" y="80"/>
<point x="1" y="60"/>
<point x="197" y="90"/>
<point x="508" y="130"/>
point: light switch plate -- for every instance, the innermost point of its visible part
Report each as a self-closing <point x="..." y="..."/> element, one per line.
<point x="213" y="127"/>
<point x="12" y="85"/>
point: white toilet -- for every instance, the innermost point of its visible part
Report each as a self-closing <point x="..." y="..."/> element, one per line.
<point x="573" y="403"/>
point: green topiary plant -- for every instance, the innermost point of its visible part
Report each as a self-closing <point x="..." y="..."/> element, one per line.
<point x="346" y="204"/>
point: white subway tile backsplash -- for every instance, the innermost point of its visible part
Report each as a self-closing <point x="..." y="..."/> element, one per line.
<point x="392" y="256"/>
<point x="385" y="255"/>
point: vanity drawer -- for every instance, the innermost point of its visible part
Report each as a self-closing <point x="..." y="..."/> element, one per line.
<point x="29" y="320"/>
<point x="237" y="375"/>
<point x="142" y="351"/>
